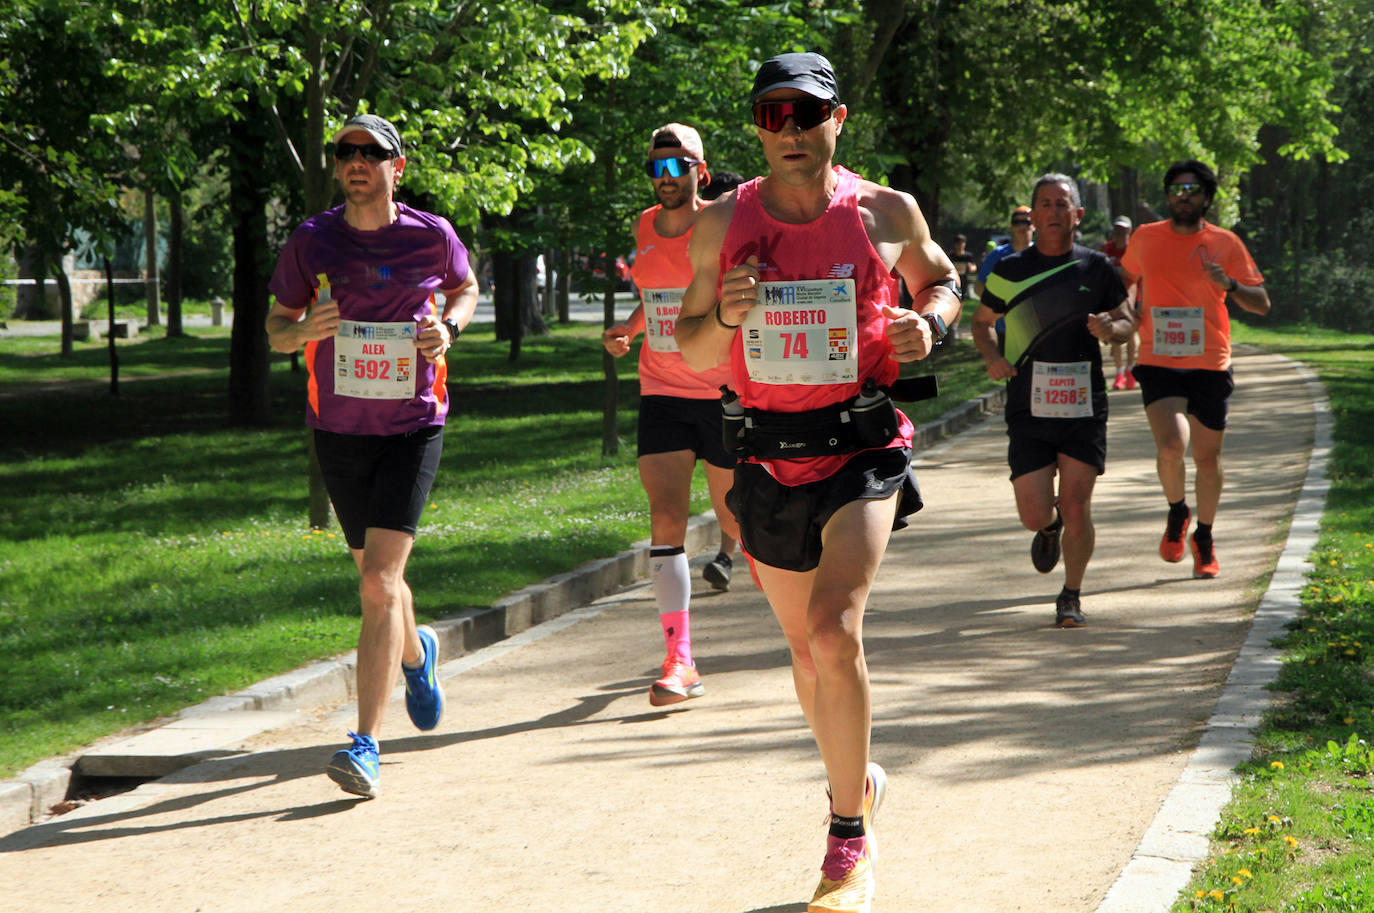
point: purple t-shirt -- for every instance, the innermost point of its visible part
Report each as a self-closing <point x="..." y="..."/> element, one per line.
<point x="392" y="275"/>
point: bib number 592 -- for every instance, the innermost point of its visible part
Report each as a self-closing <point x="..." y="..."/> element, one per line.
<point x="371" y="369"/>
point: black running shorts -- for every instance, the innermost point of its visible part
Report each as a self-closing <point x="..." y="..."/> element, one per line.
<point x="670" y="423"/>
<point x="780" y="525"/>
<point x="1205" y="391"/>
<point x="1036" y="443"/>
<point x="379" y="480"/>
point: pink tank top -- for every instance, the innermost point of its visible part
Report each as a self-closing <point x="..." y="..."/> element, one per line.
<point x="834" y="246"/>
<point x="662" y="272"/>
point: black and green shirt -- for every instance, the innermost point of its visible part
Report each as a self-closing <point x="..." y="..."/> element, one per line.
<point x="1045" y="302"/>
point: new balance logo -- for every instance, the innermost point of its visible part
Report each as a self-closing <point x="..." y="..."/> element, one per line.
<point x="841" y="271"/>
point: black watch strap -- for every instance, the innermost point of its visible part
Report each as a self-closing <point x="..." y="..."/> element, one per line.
<point x="453" y="331"/>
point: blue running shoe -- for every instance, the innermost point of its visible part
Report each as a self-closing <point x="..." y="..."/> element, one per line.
<point x="424" y="695"/>
<point x="357" y="769"/>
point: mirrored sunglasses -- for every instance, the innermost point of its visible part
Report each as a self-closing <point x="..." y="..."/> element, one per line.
<point x="371" y="152"/>
<point x="805" y="113"/>
<point x="674" y="167"/>
<point x="1183" y="190"/>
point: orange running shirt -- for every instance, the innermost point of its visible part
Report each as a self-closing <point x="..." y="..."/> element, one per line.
<point x="662" y="272"/>
<point x="1184" y="322"/>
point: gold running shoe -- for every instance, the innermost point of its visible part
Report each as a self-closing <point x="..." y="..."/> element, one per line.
<point x="847" y="883"/>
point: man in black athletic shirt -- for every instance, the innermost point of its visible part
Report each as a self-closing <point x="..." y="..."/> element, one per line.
<point x="1058" y="299"/>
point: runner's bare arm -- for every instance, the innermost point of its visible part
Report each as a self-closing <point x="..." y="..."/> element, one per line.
<point x="459" y="305"/>
<point x="706" y="324"/>
<point x="290" y="328"/>
<point x="1252" y="298"/>
<point x="984" y="335"/>
<point x="900" y="235"/>
<point x="617" y="339"/>
<point x="1115" y="325"/>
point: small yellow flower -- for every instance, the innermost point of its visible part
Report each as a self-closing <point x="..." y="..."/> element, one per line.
<point x="1217" y="895"/>
<point x="1276" y="765"/>
<point x="1349" y="720"/>
<point x="1245" y="873"/>
<point x="1274" y="819"/>
<point x="1290" y="841"/>
<point x="1251" y="831"/>
<point x="1237" y="880"/>
<point x="434" y="507"/>
<point x="1200" y="894"/>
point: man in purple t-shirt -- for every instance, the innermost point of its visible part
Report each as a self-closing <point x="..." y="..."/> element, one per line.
<point x="377" y="292"/>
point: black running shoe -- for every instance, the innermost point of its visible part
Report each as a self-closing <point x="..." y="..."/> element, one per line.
<point x="1067" y="614"/>
<point x="1045" y="546"/>
<point x="717" y="572"/>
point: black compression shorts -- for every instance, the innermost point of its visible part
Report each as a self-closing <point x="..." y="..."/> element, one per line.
<point x="669" y="423"/>
<point x="379" y="480"/>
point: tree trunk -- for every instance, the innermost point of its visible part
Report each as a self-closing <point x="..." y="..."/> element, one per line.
<point x="150" y="255"/>
<point x="176" y="231"/>
<point x="64" y="291"/>
<point x="250" y="398"/>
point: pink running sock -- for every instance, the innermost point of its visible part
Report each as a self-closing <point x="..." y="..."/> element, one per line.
<point x="672" y="584"/>
<point x="841" y="856"/>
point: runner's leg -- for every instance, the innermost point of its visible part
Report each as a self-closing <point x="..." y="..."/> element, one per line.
<point x="1076" y="481"/>
<point x="1170" y="428"/>
<point x="388" y="628"/>
<point x="1207" y="463"/>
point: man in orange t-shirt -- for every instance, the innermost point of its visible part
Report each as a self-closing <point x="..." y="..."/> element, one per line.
<point x="1187" y="268"/>
<point x="679" y="409"/>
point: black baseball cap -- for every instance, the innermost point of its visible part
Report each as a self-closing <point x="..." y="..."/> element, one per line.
<point x="808" y="71"/>
<point x="379" y="128"/>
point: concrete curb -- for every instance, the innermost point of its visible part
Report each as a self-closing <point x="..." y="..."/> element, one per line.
<point x="190" y="737"/>
<point x="1180" y="834"/>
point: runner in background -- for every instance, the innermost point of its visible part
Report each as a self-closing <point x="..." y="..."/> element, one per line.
<point x="1058" y="300"/>
<point x="377" y="292"/>
<point x="1188" y="267"/>
<point x="1124" y="361"/>
<point x="679" y="412"/>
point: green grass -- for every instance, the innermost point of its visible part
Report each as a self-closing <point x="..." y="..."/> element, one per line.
<point x="1299" y="833"/>
<point x="151" y="558"/>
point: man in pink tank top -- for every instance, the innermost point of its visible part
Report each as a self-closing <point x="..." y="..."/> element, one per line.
<point x="794" y="285"/>
<point x="679" y="414"/>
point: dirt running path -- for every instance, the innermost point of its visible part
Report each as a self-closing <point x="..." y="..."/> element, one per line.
<point x="1025" y="762"/>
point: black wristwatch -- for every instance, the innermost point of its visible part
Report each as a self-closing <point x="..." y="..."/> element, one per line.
<point x="453" y="331"/>
<point x="938" y="329"/>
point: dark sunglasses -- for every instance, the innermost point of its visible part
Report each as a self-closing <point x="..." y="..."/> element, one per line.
<point x="805" y="113"/>
<point x="1183" y="190"/>
<point x="1020" y="221"/>
<point x="674" y="167"/>
<point x="371" y="152"/>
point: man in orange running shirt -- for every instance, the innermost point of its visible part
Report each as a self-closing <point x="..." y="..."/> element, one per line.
<point x="1188" y="267"/>
<point x="679" y="411"/>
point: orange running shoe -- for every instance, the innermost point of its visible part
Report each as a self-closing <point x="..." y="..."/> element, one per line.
<point x="680" y="682"/>
<point x="1171" y="547"/>
<point x="1130" y="380"/>
<point x="1120" y="382"/>
<point x="1205" y="563"/>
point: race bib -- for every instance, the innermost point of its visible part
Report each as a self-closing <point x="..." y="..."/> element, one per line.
<point x="1178" y="331"/>
<point x="375" y="360"/>
<point x="661" y="307"/>
<point x="803" y="332"/>
<point x="1062" y="389"/>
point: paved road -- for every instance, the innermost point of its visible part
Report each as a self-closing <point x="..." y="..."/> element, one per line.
<point x="1025" y="762"/>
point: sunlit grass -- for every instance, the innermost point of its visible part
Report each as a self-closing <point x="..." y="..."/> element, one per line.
<point x="151" y="558"/>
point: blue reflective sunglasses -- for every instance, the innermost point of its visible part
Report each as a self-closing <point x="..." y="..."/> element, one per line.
<point x="674" y="167"/>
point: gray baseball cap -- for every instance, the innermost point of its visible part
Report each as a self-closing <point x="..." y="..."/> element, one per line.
<point x="809" y="72"/>
<point x="379" y="128"/>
